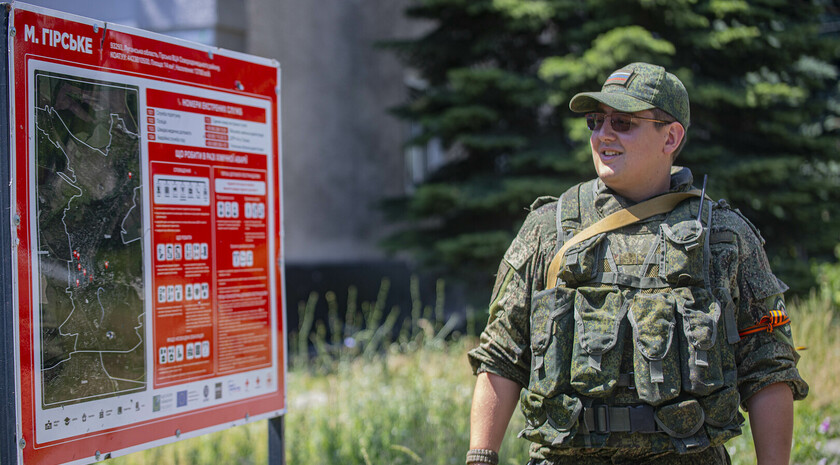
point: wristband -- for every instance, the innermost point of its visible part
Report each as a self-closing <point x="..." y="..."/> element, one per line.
<point x="482" y="456"/>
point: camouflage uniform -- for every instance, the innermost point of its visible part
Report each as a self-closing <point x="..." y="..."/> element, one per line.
<point x="738" y="264"/>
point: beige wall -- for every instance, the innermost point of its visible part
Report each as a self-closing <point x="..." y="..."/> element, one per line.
<point x="342" y="151"/>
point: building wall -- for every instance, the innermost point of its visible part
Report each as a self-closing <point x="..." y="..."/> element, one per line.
<point x="342" y="151"/>
<point x="211" y="22"/>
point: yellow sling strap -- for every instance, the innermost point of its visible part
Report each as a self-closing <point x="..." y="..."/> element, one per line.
<point x="621" y="218"/>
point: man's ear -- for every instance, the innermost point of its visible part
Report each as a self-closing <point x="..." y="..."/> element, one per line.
<point x="675" y="135"/>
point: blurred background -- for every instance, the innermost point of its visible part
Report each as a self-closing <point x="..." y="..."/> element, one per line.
<point x="415" y="135"/>
<point x="343" y="152"/>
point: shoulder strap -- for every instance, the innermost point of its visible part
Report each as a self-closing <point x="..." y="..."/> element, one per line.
<point x="567" y="210"/>
<point x="619" y="219"/>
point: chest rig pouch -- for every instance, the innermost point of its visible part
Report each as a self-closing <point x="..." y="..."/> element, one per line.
<point x="646" y="282"/>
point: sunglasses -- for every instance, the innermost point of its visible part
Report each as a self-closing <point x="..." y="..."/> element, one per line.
<point x="619" y="122"/>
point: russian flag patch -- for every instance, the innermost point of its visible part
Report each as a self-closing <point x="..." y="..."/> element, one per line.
<point x="619" y="78"/>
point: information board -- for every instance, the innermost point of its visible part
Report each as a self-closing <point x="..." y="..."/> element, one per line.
<point x="147" y="229"/>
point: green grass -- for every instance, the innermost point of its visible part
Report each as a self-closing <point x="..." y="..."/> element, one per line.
<point x="815" y="325"/>
<point x="400" y="409"/>
<point x="408" y="403"/>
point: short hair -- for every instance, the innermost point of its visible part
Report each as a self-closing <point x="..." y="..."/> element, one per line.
<point x="663" y="115"/>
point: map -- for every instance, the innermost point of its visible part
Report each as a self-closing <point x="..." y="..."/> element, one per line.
<point x="90" y="249"/>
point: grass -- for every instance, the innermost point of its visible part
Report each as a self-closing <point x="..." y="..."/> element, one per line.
<point x="403" y="408"/>
<point x="407" y="401"/>
<point x="815" y="325"/>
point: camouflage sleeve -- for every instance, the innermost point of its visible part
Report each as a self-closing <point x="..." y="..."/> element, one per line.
<point x="504" y="347"/>
<point x="763" y="358"/>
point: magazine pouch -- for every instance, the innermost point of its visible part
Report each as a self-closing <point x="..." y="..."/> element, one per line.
<point x="551" y="421"/>
<point x="656" y="360"/>
<point x="551" y="346"/>
<point x="702" y="367"/>
<point x="598" y="315"/>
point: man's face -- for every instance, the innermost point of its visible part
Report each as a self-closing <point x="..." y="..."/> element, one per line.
<point x="632" y="162"/>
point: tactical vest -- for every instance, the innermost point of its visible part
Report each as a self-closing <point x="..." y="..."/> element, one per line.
<point x="645" y="285"/>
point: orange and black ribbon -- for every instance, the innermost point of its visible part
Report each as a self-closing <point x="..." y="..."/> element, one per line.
<point x="767" y="323"/>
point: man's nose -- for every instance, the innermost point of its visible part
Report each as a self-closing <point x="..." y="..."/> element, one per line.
<point x="606" y="132"/>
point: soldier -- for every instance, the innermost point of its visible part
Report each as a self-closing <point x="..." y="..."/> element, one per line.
<point x="632" y="316"/>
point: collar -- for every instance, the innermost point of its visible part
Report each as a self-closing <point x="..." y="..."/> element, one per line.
<point x="607" y="201"/>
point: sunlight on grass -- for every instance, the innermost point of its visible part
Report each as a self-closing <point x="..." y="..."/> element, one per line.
<point x="407" y="402"/>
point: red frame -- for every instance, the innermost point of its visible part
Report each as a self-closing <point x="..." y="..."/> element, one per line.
<point x="238" y="74"/>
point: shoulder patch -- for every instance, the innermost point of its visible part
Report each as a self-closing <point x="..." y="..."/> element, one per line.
<point x="779" y="304"/>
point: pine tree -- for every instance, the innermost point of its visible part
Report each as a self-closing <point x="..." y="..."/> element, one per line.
<point x="499" y="75"/>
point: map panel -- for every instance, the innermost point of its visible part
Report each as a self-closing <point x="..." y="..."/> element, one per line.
<point x="148" y="263"/>
<point x="89" y="228"/>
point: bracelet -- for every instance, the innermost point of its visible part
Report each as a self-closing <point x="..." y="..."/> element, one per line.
<point x="482" y="456"/>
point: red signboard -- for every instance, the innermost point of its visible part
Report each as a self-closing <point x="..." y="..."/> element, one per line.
<point x="149" y="259"/>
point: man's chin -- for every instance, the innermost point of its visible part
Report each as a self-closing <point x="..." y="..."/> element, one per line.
<point x="607" y="174"/>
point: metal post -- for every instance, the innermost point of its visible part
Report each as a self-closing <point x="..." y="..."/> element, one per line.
<point x="8" y="440"/>
<point x="276" y="447"/>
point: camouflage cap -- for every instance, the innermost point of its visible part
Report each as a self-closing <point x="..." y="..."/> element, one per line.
<point x="637" y="87"/>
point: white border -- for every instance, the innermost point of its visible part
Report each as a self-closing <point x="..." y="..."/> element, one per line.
<point x="281" y="255"/>
<point x="150" y="354"/>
